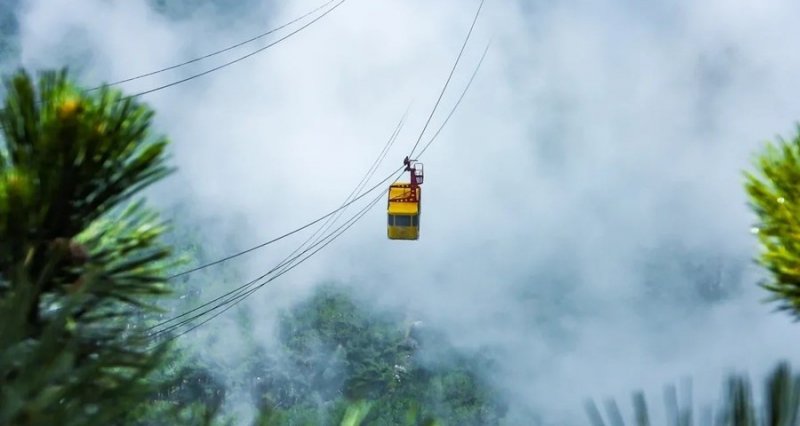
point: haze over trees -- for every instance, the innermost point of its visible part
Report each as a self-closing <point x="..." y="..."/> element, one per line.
<point x="84" y="263"/>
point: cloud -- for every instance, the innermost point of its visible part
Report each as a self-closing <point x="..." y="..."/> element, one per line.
<point x="599" y="151"/>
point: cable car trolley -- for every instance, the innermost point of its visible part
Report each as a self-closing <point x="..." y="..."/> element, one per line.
<point x="404" y="205"/>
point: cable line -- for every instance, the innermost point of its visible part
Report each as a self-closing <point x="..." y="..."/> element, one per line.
<point x="244" y="286"/>
<point x="217" y="68"/>
<point x="292" y="232"/>
<point x="239" y="59"/>
<point x="191" y="61"/>
<point x="460" y="98"/>
<point x="347" y="203"/>
<point x="344" y="227"/>
<point x="455" y="64"/>
<point x="242" y="292"/>
<point x="332" y="219"/>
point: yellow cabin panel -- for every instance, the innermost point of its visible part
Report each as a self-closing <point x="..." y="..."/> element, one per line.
<point x="403" y="232"/>
<point x="403" y="207"/>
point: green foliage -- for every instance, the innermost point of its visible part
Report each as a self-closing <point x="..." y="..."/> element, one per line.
<point x="774" y="192"/>
<point x="330" y="332"/>
<point x="356" y="412"/>
<point x="189" y="393"/>
<point x="780" y="407"/>
<point x="78" y="268"/>
<point x="342" y="362"/>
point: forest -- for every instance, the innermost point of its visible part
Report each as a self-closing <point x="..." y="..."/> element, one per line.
<point x="93" y="276"/>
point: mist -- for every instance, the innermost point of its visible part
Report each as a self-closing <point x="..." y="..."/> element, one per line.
<point x="576" y="207"/>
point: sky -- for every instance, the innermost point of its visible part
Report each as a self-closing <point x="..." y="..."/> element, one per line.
<point x="591" y="174"/>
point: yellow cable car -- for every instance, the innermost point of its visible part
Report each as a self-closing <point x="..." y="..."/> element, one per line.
<point x="404" y="205"/>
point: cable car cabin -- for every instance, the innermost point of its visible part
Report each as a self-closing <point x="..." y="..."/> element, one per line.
<point x="403" y="211"/>
<point x="404" y="204"/>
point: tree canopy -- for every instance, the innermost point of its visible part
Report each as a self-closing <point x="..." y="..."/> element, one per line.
<point x="80" y="262"/>
<point x="774" y="192"/>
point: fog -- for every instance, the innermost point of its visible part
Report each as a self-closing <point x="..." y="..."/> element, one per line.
<point x="574" y="206"/>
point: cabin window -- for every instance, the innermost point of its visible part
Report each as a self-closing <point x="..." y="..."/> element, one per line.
<point x="402" y="220"/>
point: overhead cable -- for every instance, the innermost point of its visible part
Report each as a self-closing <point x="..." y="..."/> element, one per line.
<point x="217" y="52"/>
